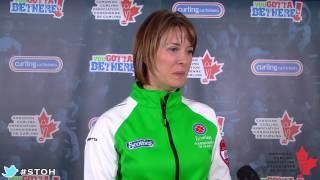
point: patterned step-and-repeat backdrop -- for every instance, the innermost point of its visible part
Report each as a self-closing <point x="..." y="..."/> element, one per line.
<point x="64" y="62"/>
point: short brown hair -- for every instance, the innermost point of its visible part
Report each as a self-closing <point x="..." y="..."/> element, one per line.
<point x="148" y="38"/>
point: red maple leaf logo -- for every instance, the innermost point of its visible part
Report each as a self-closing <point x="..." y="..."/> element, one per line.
<point x="130" y="11"/>
<point x="211" y="70"/>
<point x="47" y="126"/>
<point x="290" y="129"/>
<point x="305" y="164"/>
<point x="220" y="124"/>
<point x="59" y="13"/>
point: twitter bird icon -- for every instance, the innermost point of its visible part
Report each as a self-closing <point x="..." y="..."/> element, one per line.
<point x="10" y="172"/>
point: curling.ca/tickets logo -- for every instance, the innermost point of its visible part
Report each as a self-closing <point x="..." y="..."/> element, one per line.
<point x="49" y="7"/>
<point x="206" y="68"/>
<point x="199" y="9"/>
<point x="124" y="11"/>
<point x="36" y="64"/>
<point x="270" y="67"/>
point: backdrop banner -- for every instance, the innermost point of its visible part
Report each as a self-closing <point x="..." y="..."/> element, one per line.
<point x="65" y="62"/>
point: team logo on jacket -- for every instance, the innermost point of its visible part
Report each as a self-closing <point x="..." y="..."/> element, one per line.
<point x="205" y="68"/>
<point x="124" y="11"/>
<point x="141" y="143"/>
<point x="202" y="140"/>
<point x="199" y="129"/>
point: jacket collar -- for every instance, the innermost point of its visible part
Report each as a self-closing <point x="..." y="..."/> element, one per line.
<point x="153" y="97"/>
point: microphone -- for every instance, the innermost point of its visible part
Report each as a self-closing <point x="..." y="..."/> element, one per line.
<point x="247" y="173"/>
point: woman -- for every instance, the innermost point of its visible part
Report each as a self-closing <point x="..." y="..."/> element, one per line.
<point x="156" y="133"/>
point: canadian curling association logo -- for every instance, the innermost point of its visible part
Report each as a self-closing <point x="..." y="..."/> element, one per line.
<point x="205" y="68"/>
<point x="270" y="67"/>
<point x="125" y="11"/>
<point x="199" y="9"/>
<point x="284" y="128"/>
<point x="287" y="162"/>
<point x="50" y="7"/>
<point x="38" y="64"/>
<point x="277" y="9"/>
<point x="41" y="126"/>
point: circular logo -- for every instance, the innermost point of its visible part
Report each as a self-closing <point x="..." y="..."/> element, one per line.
<point x="199" y="129"/>
<point x="92" y="122"/>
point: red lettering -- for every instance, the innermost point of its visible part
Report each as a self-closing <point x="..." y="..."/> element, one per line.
<point x="118" y="57"/>
<point x="114" y="58"/>
<point x="130" y="58"/>
<point x="269" y="3"/>
<point x="280" y="4"/>
<point x="56" y="178"/>
<point x="276" y="4"/>
<point x="107" y="57"/>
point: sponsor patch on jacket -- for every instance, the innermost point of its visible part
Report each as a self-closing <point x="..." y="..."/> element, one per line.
<point x="204" y="141"/>
<point x="199" y="129"/>
<point x="224" y="152"/>
<point x="141" y="143"/>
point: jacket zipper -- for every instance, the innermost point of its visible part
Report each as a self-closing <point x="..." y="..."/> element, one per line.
<point x="167" y="125"/>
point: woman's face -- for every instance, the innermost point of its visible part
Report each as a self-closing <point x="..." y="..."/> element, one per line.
<point x="172" y="62"/>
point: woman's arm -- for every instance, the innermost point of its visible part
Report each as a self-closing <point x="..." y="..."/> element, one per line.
<point x="100" y="156"/>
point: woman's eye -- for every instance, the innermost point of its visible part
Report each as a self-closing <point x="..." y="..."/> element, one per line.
<point x="190" y="51"/>
<point x="173" y="49"/>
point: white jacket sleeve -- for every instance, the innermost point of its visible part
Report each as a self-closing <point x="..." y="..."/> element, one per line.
<point x="100" y="156"/>
<point x="219" y="169"/>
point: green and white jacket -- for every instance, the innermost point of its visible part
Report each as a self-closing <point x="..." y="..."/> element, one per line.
<point x="156" y="135"/>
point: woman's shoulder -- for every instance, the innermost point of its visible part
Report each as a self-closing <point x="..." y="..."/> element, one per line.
<point x="122" y="109"/>
<point x="196" y="104"/>
<point x="200" y="108"/>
